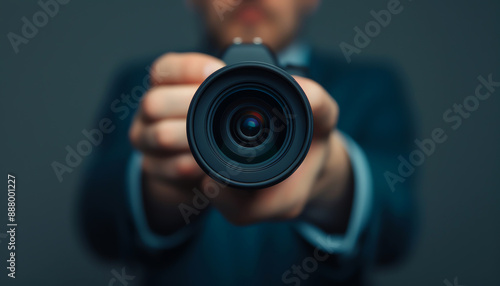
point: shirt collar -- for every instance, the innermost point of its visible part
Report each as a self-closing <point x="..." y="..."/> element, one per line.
<point x="296" y="54"/>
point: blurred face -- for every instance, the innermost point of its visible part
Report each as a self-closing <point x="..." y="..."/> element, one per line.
<point x="275" y="21"/>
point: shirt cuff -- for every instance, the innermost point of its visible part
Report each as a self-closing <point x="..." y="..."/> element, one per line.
<point x="347" y="244"/>
<point x="147" y="237"/>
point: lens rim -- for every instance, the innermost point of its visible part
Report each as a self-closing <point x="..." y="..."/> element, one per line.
<point x="235" y="75"/>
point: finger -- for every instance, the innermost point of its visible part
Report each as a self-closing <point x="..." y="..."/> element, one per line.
<point x="183" y="68"/>
<point x="162" y="138"/>
<point x="241" y="207"/>
<point x="167" y="102"/>
<point x="324" y="107"/>
<point x="176" y="168"/>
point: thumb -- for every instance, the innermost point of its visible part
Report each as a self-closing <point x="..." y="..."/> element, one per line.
<point x="324" y="108"/>
<point x="183" y="68"/>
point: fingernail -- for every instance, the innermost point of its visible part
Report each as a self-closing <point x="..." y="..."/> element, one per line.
<point x="211" y="68"/>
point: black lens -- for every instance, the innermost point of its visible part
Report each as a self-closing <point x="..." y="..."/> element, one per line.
<point x="249" y="125"/>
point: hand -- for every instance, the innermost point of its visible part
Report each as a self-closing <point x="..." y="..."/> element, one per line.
<point x="159" y="131"/>
<point x="170" y="172"/>
<point x="322" y="182"/>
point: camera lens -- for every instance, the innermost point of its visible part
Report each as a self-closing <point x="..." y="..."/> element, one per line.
<point x="249" y="125"/>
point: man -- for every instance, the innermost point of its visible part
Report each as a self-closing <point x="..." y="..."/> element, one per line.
<point x="329" y="222"/>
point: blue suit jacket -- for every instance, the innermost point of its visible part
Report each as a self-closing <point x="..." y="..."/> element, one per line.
<point x="373" y="111"/>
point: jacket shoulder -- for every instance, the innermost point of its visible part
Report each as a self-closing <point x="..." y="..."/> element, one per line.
<point x="331" y="69"/>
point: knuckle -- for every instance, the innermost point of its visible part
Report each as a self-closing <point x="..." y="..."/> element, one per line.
<point x="308" y="83"/>
<point x="181" y="169"/>
<point x="133" y="134"/>
<point x="189" y="60"/>
<point x="150" y="103"/>
<point x="163" y="136"/>
<point x="332" y="112"/>
<point x="162" y="60"/>
<point x="319" y="107"/>
<point x="335" y="106"/>
<point x="315" y="93"/>
<point x="192" y="59"/>
<point x="321" y="102"/>
<point x="186" y="167"/>
<point x="158" y="68"/>
<point x="335" y="112"/>
<point x="177" y="168"/>
<point x="147" y="165"/>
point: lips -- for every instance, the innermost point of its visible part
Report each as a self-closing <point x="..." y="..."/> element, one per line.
<point x="250" y="15"/>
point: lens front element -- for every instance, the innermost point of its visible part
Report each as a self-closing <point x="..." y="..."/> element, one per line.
<point x="250" y="125"/>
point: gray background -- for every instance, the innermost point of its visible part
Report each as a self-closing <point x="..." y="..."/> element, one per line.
<point x="54" y="88"/>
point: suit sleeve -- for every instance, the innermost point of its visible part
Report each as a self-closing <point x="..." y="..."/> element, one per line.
<point x="378" y="128"/>
<point x="385" y="131"/>
<point x="108" y="210"/>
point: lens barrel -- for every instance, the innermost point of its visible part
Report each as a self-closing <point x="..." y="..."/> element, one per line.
<point x="249" y="125"/>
